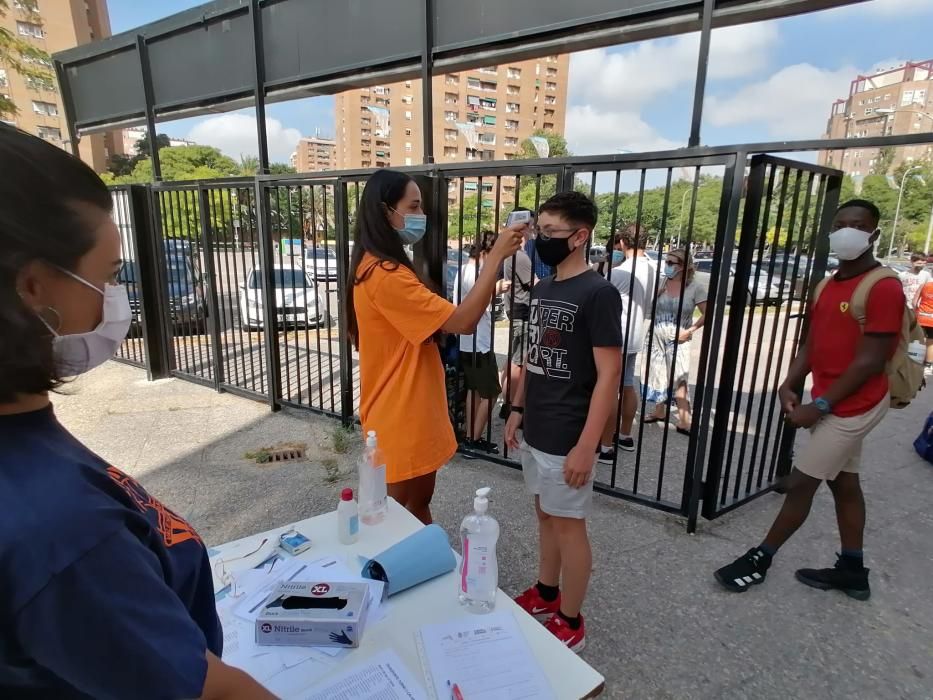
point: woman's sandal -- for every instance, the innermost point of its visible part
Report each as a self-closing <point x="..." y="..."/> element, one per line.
<point x="651" y="419"/>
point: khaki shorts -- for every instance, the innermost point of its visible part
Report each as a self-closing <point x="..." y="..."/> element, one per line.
<point x="544" y="478"/>
<point x="836" y="443"/>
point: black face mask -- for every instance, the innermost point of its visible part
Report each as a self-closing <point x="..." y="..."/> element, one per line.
<point x="552" y="251"/>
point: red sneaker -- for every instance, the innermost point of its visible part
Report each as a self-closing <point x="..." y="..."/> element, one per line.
<point x="573" y="639"/>
<point x="532" y="603"/>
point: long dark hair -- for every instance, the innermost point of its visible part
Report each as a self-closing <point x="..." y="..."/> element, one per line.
<point x="373" y="234"/>
<point x="39" y="220"/>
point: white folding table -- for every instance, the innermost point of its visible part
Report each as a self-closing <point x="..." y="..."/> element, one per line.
<point x="431" y="602"/>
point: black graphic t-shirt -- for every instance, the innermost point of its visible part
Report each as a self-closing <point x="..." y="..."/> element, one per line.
<point x="567" y="320"/>
<point x="106" y="592"/>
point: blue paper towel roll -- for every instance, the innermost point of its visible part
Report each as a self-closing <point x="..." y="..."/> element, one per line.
<point x="420" y="557"/>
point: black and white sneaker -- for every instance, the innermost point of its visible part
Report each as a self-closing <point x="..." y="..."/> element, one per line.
<point x="606" y="455"/>
<point x="748" y="570"/>
<point x="851" y="580"/>
<point x="626" y="444"/>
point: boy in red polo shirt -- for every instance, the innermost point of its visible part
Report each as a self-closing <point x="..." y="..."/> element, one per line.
<point x="850" y="397"/>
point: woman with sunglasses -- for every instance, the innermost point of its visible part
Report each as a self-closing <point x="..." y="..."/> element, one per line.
<point x="679" y="296"/>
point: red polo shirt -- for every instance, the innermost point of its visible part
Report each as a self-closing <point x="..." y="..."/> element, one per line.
<point x="835" y="335"/>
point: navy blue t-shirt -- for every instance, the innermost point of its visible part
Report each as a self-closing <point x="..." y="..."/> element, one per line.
<point x="104" y="592"/>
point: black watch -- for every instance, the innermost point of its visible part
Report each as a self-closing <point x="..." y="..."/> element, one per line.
<point x="520" y="410"/>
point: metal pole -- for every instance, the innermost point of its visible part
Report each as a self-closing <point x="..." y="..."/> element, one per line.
<point x="680" y="224"/>
<point x="68" y="106"/>
<point x="897" y="210"/>
<point x="259" y="90"/>
<point x="702" y="69"/>
<point x="926" y="246"/>
<point x="427" y="85"/>
<point x="143" y="52"/>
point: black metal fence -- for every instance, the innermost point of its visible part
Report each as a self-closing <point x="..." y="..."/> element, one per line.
<point x="246" y="279"/>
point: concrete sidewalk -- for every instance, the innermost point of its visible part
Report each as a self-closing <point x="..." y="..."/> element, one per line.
<point x="658" y="624"/>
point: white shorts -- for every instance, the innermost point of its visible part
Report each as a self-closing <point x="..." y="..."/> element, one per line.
<point x="544" y="477"/>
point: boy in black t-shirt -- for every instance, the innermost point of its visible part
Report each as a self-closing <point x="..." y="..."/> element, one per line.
<point x="568" y="388"/>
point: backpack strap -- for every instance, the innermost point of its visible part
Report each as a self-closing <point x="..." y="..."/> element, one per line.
<point x="859" y="300"/>
<point x="818" y="290"/>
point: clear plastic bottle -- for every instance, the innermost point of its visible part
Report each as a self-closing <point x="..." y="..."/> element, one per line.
<point x="479" y="570"/>
<point x="348" y="519"/>
<point x="372" y="492"/>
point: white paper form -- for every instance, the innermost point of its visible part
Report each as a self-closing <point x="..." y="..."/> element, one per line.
<point x="383" y="677"/>
<point x="486" y="656"/>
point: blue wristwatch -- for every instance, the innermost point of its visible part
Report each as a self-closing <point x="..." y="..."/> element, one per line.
<point x="822" y="405"/>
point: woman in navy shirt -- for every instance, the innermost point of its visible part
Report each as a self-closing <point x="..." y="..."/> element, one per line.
<point x="104" y="591"/>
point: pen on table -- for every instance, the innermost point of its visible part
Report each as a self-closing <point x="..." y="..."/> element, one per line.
<point x="455" y="693"/>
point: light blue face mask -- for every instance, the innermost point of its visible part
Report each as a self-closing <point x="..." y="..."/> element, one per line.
<point x="414" y="229"/>
<point x="618" y="257"/>
<point x="670" y="271"/>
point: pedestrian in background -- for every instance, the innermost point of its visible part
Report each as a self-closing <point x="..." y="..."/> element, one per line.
<point x="477" y="359"/>
<point x="914" y="279"/>
<point x="669" y="345"/>
<point x="394" y="320"/>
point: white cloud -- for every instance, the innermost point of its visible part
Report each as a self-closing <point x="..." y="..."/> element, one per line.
<point x="792" y="103"/>
<point x="633" y="77"/>
<point x="591" y="131"/>
<point x="235" y="135"/>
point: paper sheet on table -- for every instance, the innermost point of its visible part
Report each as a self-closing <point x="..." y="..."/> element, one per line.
<point x="487" y="656"/>
<point x="383" y="677"/>
<point x="239" y="557"/>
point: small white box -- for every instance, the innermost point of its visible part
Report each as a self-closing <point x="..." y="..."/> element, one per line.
<point x="314" y="613"/>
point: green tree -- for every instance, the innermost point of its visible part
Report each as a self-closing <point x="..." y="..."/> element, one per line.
<point x="249" y="165"/>
<point x="280" y="169"/>
<point x="557" y="146"/>
<point x="883" y="161"/>
<point x="20" y="54"/>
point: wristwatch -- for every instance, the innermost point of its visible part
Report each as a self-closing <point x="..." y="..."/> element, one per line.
<point x="520" y="410"/>
<point x="822" y="405"/>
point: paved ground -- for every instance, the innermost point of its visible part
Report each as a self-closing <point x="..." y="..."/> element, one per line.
<point x="658" y="625"/>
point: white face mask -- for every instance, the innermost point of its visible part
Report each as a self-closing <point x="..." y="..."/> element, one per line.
<point x="81" y="352"/>
<point x="849" y="243"/>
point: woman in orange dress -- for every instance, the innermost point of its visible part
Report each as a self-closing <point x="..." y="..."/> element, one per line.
<point x="393" y="320"/>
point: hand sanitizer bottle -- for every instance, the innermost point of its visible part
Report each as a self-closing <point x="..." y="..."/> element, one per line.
<point x="372" y="495"/>
<point x="479" y="571"/>
<point x="348" y="520"/>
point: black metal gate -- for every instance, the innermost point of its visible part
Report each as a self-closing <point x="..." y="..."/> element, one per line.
<point x="782" y="253"/>
<point x="243" y="281"/>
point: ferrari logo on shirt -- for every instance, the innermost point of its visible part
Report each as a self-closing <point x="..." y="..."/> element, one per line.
<point x="844" y="306"/>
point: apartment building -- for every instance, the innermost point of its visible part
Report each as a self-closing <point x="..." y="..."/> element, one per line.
<point x="314" y="154"/>
<point x="57" y="25"/>
<point x="481" y="113"/>
<point x="898" y="100"/>
<point x="130" y="137"/>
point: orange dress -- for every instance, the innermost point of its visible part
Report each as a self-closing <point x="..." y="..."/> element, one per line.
<point x="403" y="395"/>
<point x="925" y="306"/>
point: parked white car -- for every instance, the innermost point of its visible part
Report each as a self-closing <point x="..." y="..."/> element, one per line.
<point x="296" y="299"/>
<point x="321" y="262"/>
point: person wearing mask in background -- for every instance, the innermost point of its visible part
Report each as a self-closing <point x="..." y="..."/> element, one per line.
<point x="670" y="343"/>
<point x="569" y="385"/>
<point x="635" y="279"/>
<point x="393" y="320"/>
<point x="106" y="592"/>
<point x="850" y="398"/>
<point x="477" y="359"/>
<point x="914" y="279"/>
<point x="518" y="271"/>
<point x="924" y="310"/>
<point x="614" y="256"/>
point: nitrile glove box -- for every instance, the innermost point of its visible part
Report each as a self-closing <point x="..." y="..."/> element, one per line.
<point x="314" y="614"/>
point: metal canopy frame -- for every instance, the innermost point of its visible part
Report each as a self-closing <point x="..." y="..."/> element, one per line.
<point x="256" y="51"/>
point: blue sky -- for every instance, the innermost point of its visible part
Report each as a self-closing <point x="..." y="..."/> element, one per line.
<point x="768" y="81"/>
